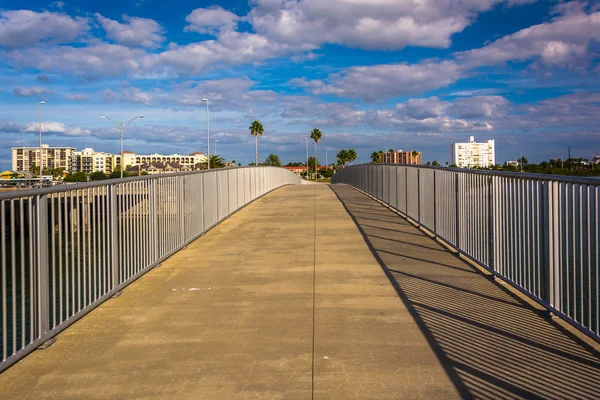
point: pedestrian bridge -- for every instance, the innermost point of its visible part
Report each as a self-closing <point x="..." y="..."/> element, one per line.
<point x="307" y="291"/>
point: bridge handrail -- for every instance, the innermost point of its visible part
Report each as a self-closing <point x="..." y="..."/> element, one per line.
<point x="66" y="249"/>
<point x="538" y="232"/>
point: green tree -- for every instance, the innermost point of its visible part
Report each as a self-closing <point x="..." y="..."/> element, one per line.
<point x="522" y="160"/>
<point x="312" y="163"/>
<point x="435" y="163"/>
<point x="256" y="129"/>
<point x="375" y="157"/>
<point x="34" y="169"/>
<point x="57" y="172"/>
<point x="216" y="161"/>
<point x="326" y="172"/>
<point x="98" y="176"/>
<point x="415" y="153"/>
<point x="76" y="177"/>
<point x="342" y="157"/>
<point x="352" y="156"/>
<point x="316" y="135"/>
<point x="272" y="159"/>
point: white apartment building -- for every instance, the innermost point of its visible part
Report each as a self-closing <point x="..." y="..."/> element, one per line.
<point x="88" y="161"/>
<point x="132" y="159"/>
<point x="472" y="154"/>
<point x="54" y="157"/>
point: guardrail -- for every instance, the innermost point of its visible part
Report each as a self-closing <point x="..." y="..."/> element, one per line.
<point x="538" y="232"/>
<point x="66" y="249"/>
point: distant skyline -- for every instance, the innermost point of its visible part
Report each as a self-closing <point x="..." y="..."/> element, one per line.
<point x="369" y="74"/>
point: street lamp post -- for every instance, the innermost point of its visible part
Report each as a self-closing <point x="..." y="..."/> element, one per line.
<point x="122" y="126"/>
<point x="216" y="141"/>
<point x="41" y="151"/>
<point x="207" y="134"/>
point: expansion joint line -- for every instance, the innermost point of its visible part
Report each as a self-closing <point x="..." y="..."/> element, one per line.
<point x="314" y="288"/>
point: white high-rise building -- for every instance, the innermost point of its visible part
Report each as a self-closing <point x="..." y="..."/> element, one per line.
<point x="472" y="154"/>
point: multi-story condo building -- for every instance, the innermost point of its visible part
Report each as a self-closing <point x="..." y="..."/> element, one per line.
<point x="88" y="161"/>
<point x="23" y="158"/>
<point x="133" y="159"/>
<point x="401" y="157"/>
<point x="472" y="154"/>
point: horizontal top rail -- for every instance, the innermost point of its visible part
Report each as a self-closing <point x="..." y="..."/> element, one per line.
<point x="87" y="185"/>
<point x="542" y="177"/>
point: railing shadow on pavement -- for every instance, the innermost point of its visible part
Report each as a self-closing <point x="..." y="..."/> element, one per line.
<point x="491" y="343"/>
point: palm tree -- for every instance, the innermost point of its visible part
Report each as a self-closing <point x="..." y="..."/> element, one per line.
<point x="316" y="135"/>
<point x="256" y="129"/>
<point x="352" y="156"/>
<point x="216" y="161"/>
<point x="375" y="157"/>
<point x="272" y="159"/>
<point x="342" y="157"/>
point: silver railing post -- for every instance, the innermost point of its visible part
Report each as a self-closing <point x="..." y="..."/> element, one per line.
<point x="154" y="219"/>
<point x="419" y="195"/>
<point x="491" y="236"/>
<point x="434" y="202"/>
<point x="181" y="207"/>
<point x="43" y="283"/>
<point x="113" y="220"/>
<point x="457" y="211"/>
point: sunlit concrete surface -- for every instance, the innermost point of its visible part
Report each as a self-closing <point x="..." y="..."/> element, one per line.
<point x="231" y="317"/>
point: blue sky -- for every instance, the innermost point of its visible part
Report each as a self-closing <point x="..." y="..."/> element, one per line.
<point x="371" y="74"/>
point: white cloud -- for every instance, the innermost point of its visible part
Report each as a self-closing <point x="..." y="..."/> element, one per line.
<point x="134" y="32"/>
<point x="135" y="95"/>
<point x="57" y="128"/>
<point x="379" y="82"/>
<point x="479" y="107"/>
<point x="368" y="24"/>
<point x="99" y="58"/>
<point x="77" y="97"/>
<point x="33" y="91"/>
<point x="25" y="28"/>
<point x="564" y="40"/>
<point x="230" y="48"/>
<point x="211" y="20"/>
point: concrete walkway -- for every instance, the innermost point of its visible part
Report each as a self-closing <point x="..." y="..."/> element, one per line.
<point x="231" y="317"/>
<point x="492" y="344"/>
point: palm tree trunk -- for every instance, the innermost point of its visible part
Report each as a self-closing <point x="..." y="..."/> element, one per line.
<point x="256" y="140"/>
<point x="316" y="161"/>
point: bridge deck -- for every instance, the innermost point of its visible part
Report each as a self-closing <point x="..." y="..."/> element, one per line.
<point x="396" y="316"/>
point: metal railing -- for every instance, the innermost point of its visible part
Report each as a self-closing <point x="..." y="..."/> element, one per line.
<point x="66" y="249"/>
<point x="538" y="232"/>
